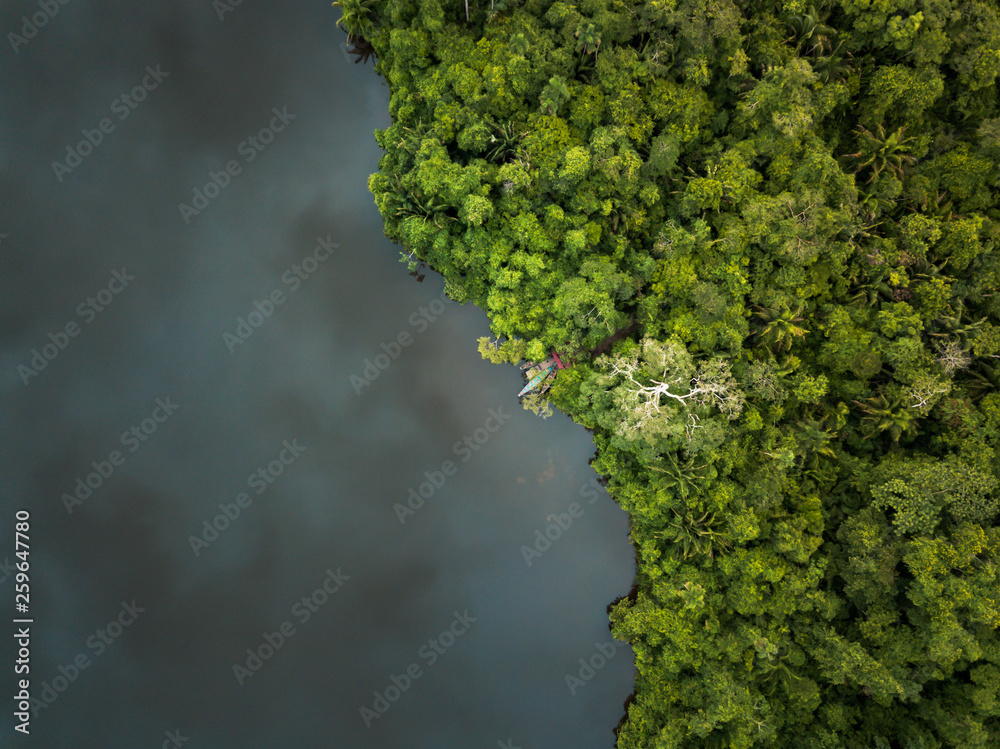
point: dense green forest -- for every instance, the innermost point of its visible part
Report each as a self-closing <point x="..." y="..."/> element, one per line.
<point x="768" y="234"/>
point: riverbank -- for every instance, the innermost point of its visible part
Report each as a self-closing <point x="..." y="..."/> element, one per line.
<point x="799" y="212"/>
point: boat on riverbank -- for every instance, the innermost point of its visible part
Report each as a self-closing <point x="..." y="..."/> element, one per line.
<point x="541" y="373"/>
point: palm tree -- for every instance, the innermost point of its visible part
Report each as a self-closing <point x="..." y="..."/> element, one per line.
<point x="811" y="31"/>
<point x="833" y="66"/>
<point x="679" y="477"/>
<point x="939" y="207"/>
<point x="695" y="535"/>
<point x="924" y="270"/>
<point x="957" y="324"/>
<point x="780" y="329"/>
<point x="588" y="40"/>
<point x="893" y="417"/>
<point x="357" y="18"/>
<point x="496" y="8"/>
<point x="814" y="439"/>
<point x="814" y="443"/>
<point x="503" y="143"/>
<point x="556" y="93"/>
<point x="407" y="204"/>
<point x="882" y="152"/>
<point x="873" y="288"/>
<point x="519" y="45"/>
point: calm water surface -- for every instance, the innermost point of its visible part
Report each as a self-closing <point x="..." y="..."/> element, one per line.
<point x="431" y="618"/>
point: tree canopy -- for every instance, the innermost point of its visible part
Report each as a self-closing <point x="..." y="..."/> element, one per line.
<point x="791" y="208"/>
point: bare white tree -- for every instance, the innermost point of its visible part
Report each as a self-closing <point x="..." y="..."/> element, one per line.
<point x="926" y="391"/>
<point x="664" y="372"/>
<point x="953" y="356"/>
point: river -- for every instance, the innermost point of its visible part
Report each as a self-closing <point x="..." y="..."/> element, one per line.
<point x="221" y="387"/>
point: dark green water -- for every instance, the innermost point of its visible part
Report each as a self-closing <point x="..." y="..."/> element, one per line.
<point x="265" y="418"/>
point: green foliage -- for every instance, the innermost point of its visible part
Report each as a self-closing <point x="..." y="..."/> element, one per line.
<point x="510" y="351"/>
<point x="358" y="18"/>
<point x="555" y="94"/>
<point x="880" y="151"/>
<point x="767" y="234"/>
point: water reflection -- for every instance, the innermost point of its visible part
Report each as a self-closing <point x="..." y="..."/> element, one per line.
<point x="332" y="511"/>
